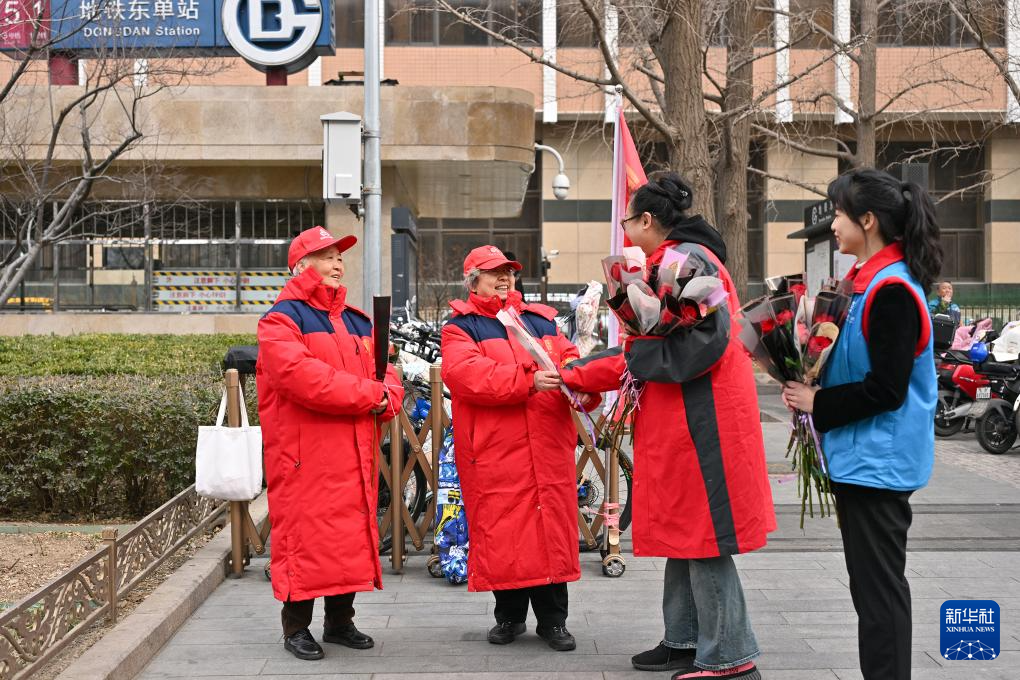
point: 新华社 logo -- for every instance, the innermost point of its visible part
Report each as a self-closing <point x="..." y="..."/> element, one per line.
<point x="969" y="630"/>
<point x="272" y="32"/>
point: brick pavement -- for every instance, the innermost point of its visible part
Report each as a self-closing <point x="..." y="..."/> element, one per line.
<point x="965" y="544"/>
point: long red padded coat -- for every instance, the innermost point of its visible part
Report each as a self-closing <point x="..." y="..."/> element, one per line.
<point x="700" y="486"/>
<point x="514" y="447"/>
<point x="316" y="385"/>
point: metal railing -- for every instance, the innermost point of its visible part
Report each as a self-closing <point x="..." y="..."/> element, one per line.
<point x="35" y="629"/>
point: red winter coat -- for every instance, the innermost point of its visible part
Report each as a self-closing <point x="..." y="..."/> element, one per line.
<point x="514" y="448"/>
<point x="700" y="487"/>
<point x="316" y="390"/>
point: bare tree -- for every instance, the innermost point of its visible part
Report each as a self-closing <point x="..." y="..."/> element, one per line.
<point x="58" y="144"/>
<point x="665" y="63"/>
<point x="917" y="98"/>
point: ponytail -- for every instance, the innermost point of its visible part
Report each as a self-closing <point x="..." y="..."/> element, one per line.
<point x="905" y="213"/>
<point x="922" y="247"/>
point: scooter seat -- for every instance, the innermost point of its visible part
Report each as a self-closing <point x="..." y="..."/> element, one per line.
<point x="998" y="370"/>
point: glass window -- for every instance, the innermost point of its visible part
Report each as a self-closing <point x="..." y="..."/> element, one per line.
<point x="756" y="207"/>
<point x="573" y="27"/>
<point x="453" y="31"/>
<point x="808" y="16"/>
<point x="116" y="257"/>
<point x="410" y="22"/>
<point x="960" y="215"/>
<point x="350" y="23"/>
<point x="919" y="23"/>
<point x="519" y="20"/>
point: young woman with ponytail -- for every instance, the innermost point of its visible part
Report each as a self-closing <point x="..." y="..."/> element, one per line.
<point x="876" y="403"/>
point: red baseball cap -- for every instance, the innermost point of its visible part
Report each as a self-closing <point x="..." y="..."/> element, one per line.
<point x="488" y="257"/>
<point x="313" y="240"/>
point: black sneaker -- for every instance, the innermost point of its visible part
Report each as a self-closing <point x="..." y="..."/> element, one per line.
<point x="558" y="637"/>
<point x="505" y="632"/>
<point x="348" y="636"/>
<point x="663" y="658"/>
<point x="302" y="645"/>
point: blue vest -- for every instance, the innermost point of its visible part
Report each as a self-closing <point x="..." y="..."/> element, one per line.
<point x="895" y="449"/>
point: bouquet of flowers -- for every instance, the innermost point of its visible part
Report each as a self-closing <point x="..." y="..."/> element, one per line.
<point x="672" y="297"/>
<point x="790" y="337"/>
<point x="682" y="297"/>
<point x="515" y="327"/>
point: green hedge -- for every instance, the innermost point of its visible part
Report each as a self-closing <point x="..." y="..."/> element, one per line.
<point x="103" y="426"/>
<point x="153" y="355"/>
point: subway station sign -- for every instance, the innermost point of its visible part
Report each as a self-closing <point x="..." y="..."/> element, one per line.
<point x="266" y="33"/>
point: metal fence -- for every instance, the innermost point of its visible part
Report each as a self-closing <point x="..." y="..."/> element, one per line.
<point x="34" y="630"/>
<point x="115" y="249"/>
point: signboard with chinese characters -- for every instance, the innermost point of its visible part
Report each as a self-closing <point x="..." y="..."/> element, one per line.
<point x="263" y="32"/>
<point x="190" y="290"/>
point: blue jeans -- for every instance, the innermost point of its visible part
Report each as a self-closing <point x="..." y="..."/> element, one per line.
<point x="703" y="608"/>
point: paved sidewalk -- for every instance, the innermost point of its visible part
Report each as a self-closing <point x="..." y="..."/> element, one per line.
<point x="965" y="544"/>
<point x="799" y="604"/>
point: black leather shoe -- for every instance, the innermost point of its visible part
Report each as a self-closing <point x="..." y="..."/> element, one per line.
<point x="504" y="633"/>
<point x="302" y="645"/>
<point x="558" y="637"/>
<point x="348" y="636"/>
<point x="664" y="658"/>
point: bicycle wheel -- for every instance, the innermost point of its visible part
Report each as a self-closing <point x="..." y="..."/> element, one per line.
<point x="415" y="497"/>
<point x="591" y="493"/>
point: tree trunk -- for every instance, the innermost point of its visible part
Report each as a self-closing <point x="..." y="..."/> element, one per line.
<point x="12" y="275"/>
<point x="679" y="50"/>
<point x="734" y="151"/>
<point x="867" y="76"/>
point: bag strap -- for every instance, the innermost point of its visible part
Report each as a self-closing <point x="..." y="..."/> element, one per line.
<point x="243" y="406"/>
<point x="223" y="408"/>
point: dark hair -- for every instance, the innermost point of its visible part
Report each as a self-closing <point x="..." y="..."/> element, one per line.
<point x="667" y="196"/>
<point x="905" y="213"/>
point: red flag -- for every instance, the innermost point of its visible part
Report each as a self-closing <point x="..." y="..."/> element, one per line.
<point x="628" y="177"/>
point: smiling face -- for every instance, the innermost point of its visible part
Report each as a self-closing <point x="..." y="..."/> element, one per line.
<point x="642" y="229"/>
<point x="860" y="239"/>
<point x="329" y="263"/>
<point x="499" y="281"/>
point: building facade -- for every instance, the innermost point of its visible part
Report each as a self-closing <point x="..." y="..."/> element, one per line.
<point x="461" y="113"/>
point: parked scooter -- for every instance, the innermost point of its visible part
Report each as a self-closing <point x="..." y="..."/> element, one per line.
<point x="997" y="426"/>
<point x="961" y="389"/>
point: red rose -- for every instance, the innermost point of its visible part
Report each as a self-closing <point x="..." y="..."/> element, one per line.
<point x="818" y="343"/>
<point x="767" y="326"/>
<point x="784" y="317"/>
<point x="798" y="290"/>
<point x="688" y="315"/>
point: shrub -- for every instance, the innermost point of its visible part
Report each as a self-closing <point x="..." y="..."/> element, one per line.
<point x="153" y="355"/>
<point x="115" y="435"/>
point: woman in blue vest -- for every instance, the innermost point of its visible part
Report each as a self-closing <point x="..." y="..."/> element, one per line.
<point x="876" y="404"/>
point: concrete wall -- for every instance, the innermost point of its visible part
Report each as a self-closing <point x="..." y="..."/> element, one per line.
<point x="74" y="323"/>
<point x="1002" y="212"/>
<point x="785" y="211"/>
<point x="579" y="226"/>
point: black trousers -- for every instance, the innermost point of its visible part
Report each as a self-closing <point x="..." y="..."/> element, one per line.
<point x="549" y="603"/>
<point x="297" y="616"/>
<point x="874" y="524"/>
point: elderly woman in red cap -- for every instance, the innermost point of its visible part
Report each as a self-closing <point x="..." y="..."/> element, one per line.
<point x="515" y="442"/>
<point x="320" y="407"/>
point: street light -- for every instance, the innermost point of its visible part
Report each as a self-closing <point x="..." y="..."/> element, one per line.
<point x="560" y="183"/>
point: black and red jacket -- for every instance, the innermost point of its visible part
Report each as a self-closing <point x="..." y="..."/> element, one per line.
<point x="701" y="487"/>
